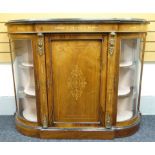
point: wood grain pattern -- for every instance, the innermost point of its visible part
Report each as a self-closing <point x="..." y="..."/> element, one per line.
<point x="74" y="133"/>
<point x="56" y="28"/>
<point x="21" y="28"/>
<point x="41" y="84"/>
<point x="76" y="78"/>
<point x="132" y="28"/>
<point x="75" y="27"/>
<point x="79" y="98"/>
<point x="111" y="75"/>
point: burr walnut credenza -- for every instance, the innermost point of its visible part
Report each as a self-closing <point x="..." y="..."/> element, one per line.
<point x="77" y="78"/>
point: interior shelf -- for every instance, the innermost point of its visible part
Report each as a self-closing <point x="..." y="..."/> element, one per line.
<point x="30" y="91"/>
<point x="26" y="64"/>
<point x="126" y="64"/>
<point x="124" y="115"/>
<point x="29" y="116"/>
<point x="124" y="91"/>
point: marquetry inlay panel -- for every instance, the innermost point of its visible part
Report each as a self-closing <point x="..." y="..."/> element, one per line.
<point x="76" y="82"/>
<point x="75" y="67"/>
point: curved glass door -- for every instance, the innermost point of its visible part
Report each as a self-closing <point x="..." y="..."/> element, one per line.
<point x="129" y="78"/>
<point x="22" y="59"/>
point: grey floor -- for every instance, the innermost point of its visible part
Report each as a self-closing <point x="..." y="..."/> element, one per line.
<point x="8" y="132"/>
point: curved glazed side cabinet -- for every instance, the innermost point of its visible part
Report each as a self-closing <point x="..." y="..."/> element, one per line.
<point x="77" y="78"/>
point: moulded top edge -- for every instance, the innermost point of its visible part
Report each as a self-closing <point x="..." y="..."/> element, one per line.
<point x="78" y="20"/>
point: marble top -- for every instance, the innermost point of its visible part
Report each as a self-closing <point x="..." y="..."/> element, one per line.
<point x="78" y="20"/>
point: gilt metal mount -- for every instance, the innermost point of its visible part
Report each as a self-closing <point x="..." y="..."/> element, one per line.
<point x="108" y="120"/>
<point x="112" y="41"/>
<point x="45" y="122"/>
<point x="40" y="44"/>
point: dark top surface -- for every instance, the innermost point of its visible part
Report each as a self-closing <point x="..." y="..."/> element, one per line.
<point x="77" y="20"/>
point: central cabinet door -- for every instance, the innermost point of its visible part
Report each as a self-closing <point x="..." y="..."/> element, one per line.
<point x="76" y="72"/>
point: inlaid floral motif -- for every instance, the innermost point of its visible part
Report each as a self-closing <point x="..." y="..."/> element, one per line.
<point x="76" y="82"/>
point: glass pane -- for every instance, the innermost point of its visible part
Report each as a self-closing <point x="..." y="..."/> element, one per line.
<point x="24" y="79"/>
<point x="129" y="78"/>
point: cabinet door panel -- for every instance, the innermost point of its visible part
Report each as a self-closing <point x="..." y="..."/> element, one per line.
<point x="75" y="73"/>
<point x="76" y="66"/>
